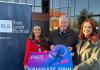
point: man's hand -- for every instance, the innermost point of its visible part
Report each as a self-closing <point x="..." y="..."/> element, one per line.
<point x="70" y="48"/>
<point x="51" y="47"/>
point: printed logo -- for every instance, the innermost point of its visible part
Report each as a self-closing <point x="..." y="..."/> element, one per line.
<point x="6" y="26"/>
<point x="13" y="26"/>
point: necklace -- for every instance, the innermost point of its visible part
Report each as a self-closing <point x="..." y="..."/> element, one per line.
<point x="38" y="44"/>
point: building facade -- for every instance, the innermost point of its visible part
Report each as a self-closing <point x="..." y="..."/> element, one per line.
<point x="77" y="11"/>
<point x="47" y="12"/>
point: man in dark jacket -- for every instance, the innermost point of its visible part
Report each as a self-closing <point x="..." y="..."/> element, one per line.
<point x="64" y="35"/>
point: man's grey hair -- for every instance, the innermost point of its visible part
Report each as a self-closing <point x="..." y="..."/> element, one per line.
<point x="64" y="16"/>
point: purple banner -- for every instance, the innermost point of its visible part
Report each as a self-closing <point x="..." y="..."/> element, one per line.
<point x="57" y="59"/>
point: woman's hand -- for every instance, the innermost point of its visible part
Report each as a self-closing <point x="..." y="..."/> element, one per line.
<point x="25" y="67"/>
<point x="45" y="50"/>
<point x="76" y="68"/>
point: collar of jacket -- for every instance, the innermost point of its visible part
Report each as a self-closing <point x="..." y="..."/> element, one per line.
<point x="67" y="32"/>
<point x="85" y="45"/>
<point x="89" y="41"/>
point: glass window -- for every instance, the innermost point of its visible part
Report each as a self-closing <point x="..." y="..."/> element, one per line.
<point x="78" y="22"/>
<point x="2" y="0"/>
<point x="30" y="2"/>
<point x="64" y="3"/>
<point x="64" y="11"/>
<point x="96" y="20"/>
<point x="50" y="18"/>
<point x="51" y="12"/>
<point x="15" y="0"/>
<point x="72" y="7"/>
<point x="22" y="1"/>
<point x="55" y="18"/>
<point x="94" y="7"/>
<point x="45" y="3"/>
<point x="55" y="14"/>
<point x="45" y="10"/>
<point x="10" y="0"/>
<point x="51" y="23"/>
<point x="32" y="9"/>
<point x="55" y="23"/>
<point x="56" y="3"/>
<point x="80" y="5"/>
<point x="69" y="12"/>
<point x="69" y="3"/>
<point x="38" y="9"/>
<point x="51" y="29"/>
<point x="77" y="25"/>
<point x="71" y="22"/>
<point x="50" y="4"/>
<point x="38" y="3"/>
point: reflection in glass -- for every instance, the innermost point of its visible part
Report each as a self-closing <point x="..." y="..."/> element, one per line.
<point x="71" y="22"/>
<point x="56" y="12"/>
<point x="77" y="26"/>
<point x="69" y="13"/>
<point x="72" y="7"/>
<point x="15" y="0"/>
<point x="64" y="3"/>
<point x="10" y="0"/>
<point x="45" y="10"/>
<point x="22" y="1"/>
<point x="55" y="25"/>
<point x="45" y="4"/>
<point x="32" y="9"/>
<point x="51" y="29"/>
<point x="69" y="3"/>
<point x="55" y="18"/>
<point x="30" y="2"/>
<point x="96" y="20"/>
<point x="2" y="0"/>
<point x="64" y="11"/>
<point x="80" y="20"/>
<point x="50" y="4"/>
<point x="94" y="7"/>
<point x="38" y="9"/>
<point x="51" y="12"/>
<point x="38" y="3"/>
<point x="55" y="28"/>
<point x="56" y="3"/>
<point x="80" y="5"/>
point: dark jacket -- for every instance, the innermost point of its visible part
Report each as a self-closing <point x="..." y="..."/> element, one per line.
<point x="70" y="38"/>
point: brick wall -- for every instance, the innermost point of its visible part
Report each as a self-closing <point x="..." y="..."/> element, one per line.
<point x="40" y="17"/>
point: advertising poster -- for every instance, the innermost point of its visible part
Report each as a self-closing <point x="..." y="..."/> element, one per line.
<point x="59" y="58"/>
<point x="15" y="27"/>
